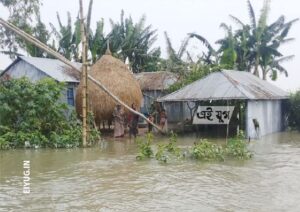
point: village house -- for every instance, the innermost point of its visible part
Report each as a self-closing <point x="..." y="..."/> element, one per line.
<point x="153" y="86"/>
<point x="35" y="68"/>
<point x="259" y="105"/>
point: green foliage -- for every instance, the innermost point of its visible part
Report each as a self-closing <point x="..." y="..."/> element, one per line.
<point x="207" y="151"/>
<point x="236" y="148"/>
<point x="165" y="151"/>
<point x="33" y="115"/>
<point x="294" y="110"/>
<point x="257" y="44"/>
<point x="145" y="150"/>
<point x="68" y="38"/>
<point x="134" y="41"/>
<point x="198" y="71"/>
<point x="23" y="14"/>
<point x="253" y="47"/>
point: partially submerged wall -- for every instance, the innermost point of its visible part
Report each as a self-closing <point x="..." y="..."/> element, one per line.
<point x="263" y="117"/>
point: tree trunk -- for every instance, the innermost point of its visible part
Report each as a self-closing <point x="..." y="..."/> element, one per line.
<point x="256" y="73"/>
<point x="264" y="72"/>
<point x="55" y="54"/>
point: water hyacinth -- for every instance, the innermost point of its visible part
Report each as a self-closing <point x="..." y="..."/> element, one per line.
<point x="203" y="150"/>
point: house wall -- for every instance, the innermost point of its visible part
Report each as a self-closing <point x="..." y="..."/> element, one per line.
<point x="177" y="111"/>
<point x="73" y="86"/>
<point x="268" y="113"/>
<point x="148" y="98"/>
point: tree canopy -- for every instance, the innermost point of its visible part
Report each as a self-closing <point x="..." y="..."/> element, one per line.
<point x="252" y="47"/>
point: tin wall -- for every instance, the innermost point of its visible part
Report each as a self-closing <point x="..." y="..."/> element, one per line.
<point x="268" y="116"/>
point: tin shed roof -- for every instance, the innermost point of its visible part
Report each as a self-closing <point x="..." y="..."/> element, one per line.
<point x="160" y="80"/>
<point x="226" y="85"/>
<point x="52" y="67"/>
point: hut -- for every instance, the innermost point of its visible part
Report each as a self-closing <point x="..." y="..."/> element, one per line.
<point x="260" y="104"/>
<point x="154" y="85"/>
<point x="36" y="68"/>
<point x="117" y="78"/>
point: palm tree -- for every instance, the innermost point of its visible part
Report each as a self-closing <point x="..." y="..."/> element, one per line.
<point x="40" y="32"/>
<point x="257" y="43"/>
<point x="227" y="51"/>
<point x="68" y="40"/>
<point x="97" y="41"/>
<point x="209" y="58"/>
<point x="133" y="41"/>
<point x="175" y="61"/>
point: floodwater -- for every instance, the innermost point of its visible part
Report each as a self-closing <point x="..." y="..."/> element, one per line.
<point x="108" y="178"/>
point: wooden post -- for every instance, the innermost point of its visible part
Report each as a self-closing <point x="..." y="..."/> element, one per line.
<point x="84" y="77"/>
<point x="58" y="56"/>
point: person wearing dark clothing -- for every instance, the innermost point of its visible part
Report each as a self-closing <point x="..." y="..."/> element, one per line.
<point x="133" y="120"/>
<point x="150" y="127"/>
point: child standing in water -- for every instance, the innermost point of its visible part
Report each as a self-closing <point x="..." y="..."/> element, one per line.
<point x="150" y="127"/>
<point x="163" y="120"/>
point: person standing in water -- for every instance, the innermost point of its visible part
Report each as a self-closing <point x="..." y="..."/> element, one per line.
<point x="150" y="127"/>
<point x="133" y="120"/>
<point x="163" y="120"/>
<point x="118" y="115"/>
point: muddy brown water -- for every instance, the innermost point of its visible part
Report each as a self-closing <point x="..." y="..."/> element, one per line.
<point x="108" y="178"/>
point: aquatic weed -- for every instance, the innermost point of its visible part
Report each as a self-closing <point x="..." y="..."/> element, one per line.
<point x="207" y="151"/>
<point x="144" y="146"/>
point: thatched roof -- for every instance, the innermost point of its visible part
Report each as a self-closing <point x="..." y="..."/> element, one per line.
<point x="114" y="74"/>
<point x="160" y="80"/>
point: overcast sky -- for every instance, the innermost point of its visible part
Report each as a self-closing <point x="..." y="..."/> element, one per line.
<point x="179" y="17"/>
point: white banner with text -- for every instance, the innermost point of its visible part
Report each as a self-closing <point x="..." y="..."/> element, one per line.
<point x="213" y="115"/>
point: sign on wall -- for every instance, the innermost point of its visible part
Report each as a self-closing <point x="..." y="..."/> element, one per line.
<point x="213" y="115"/>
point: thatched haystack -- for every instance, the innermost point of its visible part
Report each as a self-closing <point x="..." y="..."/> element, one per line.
<point x="117" y="78"/>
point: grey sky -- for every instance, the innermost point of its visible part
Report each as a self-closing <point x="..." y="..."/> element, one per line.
<point x="179" y="17"/>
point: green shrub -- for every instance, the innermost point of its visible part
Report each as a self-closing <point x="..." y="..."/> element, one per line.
<point x="165" y="151"/>
<point x="144" y="146"/>
<point x="207" y="151"/>
<point x="33" y="115"/>
<point x="294" y="110"/>
<point x="237" y="148"/>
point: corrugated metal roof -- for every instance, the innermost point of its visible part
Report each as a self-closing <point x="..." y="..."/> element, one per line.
<point x="226" y="85"/>
<point x="160" y="80"/>
<point x="54" y="68"/>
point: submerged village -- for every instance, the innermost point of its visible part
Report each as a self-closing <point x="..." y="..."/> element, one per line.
<point x="104" y="113"/>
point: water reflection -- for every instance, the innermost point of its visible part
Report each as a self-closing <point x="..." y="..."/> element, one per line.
<point x="108" y="178"/>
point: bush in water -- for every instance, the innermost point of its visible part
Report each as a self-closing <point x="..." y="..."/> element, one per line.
<point x="203" y="151"/>
<point x="33" y="115"/>
<point x="165" y="151"/>
<point x="294" y="110"/>
<point x="145" y="150"/>
<point x="207" y="151"/>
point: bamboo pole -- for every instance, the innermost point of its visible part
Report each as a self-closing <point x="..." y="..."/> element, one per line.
<point x="55" y="54"/>
<point x="83" y="77"/>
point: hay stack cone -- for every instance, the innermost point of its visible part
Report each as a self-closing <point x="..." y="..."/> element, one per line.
<point x="116" y="77"/>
